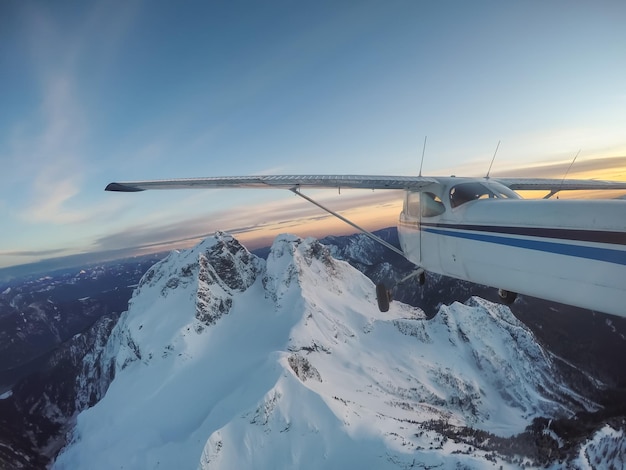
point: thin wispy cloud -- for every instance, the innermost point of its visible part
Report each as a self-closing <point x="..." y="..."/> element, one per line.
<point x="49" y="144"/>
<point x="582" y="166"/>
<point x="58" y="170"/>
<point x="284" y="215"/>
<point x="33" y="253"/>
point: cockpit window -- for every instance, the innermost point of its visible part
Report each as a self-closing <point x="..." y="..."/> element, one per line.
<point x="466" y="192"/>
<point x="431" y="205"/>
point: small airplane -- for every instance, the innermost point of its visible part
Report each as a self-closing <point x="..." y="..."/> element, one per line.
<point x="481" y="230"/>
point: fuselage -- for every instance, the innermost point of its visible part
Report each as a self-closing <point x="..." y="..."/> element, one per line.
<point x="568" y="251"/>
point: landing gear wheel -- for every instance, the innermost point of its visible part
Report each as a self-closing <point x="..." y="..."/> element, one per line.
<point x="383" y="296"/>
<point x="507" y="297"/>
<point x="421" y="279"/>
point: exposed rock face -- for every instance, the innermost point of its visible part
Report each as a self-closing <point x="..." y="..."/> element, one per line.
<point x="42" y="407"/>
<point x="226" y="265"/>
<point x="303" y="368"/>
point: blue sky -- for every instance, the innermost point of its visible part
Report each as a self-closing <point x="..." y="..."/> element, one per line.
<point x="120" y="90"/>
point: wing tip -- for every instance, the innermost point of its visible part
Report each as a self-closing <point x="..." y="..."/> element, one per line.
<point x="121" y="187"/>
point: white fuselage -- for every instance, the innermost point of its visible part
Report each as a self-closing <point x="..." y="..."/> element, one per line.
<point x="568" y="251"/>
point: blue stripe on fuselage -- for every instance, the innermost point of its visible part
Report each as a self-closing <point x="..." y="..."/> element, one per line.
<point x="589" y="252"/>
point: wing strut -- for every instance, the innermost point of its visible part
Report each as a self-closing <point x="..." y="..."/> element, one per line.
<point x="369" y="234"/>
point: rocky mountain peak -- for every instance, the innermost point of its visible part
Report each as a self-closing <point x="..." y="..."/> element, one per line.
<point x="224" y="360"/>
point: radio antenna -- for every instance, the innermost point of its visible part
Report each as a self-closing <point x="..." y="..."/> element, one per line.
<point x="492" y="160"/>
<point x="570" y="167"/>
<point x="423" y="153"/>
<point x="554" y="191"/>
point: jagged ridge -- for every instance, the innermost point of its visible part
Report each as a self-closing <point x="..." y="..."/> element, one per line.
<point x="223" y="361"/>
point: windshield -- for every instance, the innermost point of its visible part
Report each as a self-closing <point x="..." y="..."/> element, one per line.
<point x="466" y="192"/>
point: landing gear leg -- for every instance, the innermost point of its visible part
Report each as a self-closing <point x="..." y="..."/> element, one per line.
<point x="418" y="273"/>
<point x="507" y="297"/>
<point x="383" y="295"/>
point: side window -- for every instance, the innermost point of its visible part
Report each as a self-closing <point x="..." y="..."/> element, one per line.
<point x="431" y="205"/>
<point x="413" y="204"/>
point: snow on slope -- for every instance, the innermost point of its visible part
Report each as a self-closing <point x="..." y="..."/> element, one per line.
<point x="606" y="449"/>
<point x="225" y="361"/>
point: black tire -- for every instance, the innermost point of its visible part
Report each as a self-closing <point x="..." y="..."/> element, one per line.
<point x="421" y="279"/>
<point x="507" y="297"/>
<point x="382" y="295"/>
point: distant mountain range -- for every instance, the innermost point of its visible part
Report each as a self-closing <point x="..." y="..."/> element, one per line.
<point x="37" y="314"/>
<point x="70" y="262"/>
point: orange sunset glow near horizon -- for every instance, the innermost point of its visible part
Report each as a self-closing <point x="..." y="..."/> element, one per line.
<point x="256" y="224"/>
<point x="381" y="209"/>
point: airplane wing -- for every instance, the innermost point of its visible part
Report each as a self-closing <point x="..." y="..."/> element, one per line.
<point x="353" y="181"/>
<point x="279" y="181"/>
<point x="541" y="184"/>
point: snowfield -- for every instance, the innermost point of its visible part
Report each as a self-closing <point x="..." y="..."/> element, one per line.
<point x="224" y="360"/>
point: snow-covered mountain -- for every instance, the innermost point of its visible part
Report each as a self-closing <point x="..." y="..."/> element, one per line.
<point x="225" y="360"/>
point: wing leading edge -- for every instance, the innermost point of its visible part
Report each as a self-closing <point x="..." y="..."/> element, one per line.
<point x="353" y="181"/>
<point x="279" y="181"/>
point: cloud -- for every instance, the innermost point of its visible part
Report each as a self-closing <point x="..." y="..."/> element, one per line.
<point x="49" y="199"/>
<point x="582" y="168"/>
<point x="33" y="253"/>
<point x="48" y="168"/>
<point x="257" y="221"/>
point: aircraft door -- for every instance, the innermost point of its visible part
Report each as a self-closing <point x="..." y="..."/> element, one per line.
<point x="431" y="209"/>
<point x="421" y="211"/>
<point x="459" y="195"/>
<point x="409" y="228"/>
